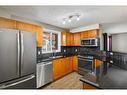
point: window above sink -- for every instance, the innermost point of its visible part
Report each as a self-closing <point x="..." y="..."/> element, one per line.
<point x="51" y="41"/>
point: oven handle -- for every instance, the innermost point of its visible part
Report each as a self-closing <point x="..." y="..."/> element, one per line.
<point x="84" y="59"/>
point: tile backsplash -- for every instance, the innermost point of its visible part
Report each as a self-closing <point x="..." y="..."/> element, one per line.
<point x="65" y="51"/>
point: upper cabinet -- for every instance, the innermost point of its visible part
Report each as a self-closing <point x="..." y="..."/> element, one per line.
<point x="63" y="39"/>
<point x="13" y="24"/>
<point x="31" y="28"/>
<point x="84" y="34"/>
<point x="92" y="33"/>
<point x="7" y="23"/>
<point x="67" y="39"/>
<point x="89" y="34"/>
<point x="73" y="39"/>
<point x="77" y="39"/>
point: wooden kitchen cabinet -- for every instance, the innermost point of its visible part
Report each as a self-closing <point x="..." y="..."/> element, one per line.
<point x="25" y="26"/>
<point x="92" y="33"/>
<point x="84" y="34"/>
<point x="67" y="39"/>
<point x="7" y="23"/>
<point x="13" y="24"/>
<point x="77" y="39"/>
<point x="89" y="34"/>
<point x="62" y="67"/>
<point x="63" y="38"/>
<point x="75" y="63"/>
<point x="98" y="62"/>
<point x="88" y="86"/>
<point x="31" y="28"/>
<point x="57" y="69"/>
<point x="68" y="65"/>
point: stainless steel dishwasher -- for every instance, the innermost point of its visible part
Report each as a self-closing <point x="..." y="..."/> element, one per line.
<point x="44" y="73"/>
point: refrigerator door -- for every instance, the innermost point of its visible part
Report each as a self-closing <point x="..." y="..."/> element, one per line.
<point x="9" y="54"/>
<point x="28" y="53"/>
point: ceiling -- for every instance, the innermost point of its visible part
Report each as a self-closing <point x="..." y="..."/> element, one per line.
<point x="54" y="14"/>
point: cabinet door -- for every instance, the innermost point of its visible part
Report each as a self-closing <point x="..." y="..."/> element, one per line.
<point x="56" y="67"/>
<point x="24" y="26"/>
<point x="63" y="66"/>
<point x="84" y="34"/>
<point x="7" y="23"/>
<point x="98" y="62"/>
<point x="39" y="35"/>
<point x="71" y="39"/>
<point x="70" y="64"/>
<point x="75" y="63"/>
<point x="77" y="39"/>
<point x="63" y="38"/>
<point x="92" y="34"/>
<point x="31" y="28"/>
<point x="67" y="39"/>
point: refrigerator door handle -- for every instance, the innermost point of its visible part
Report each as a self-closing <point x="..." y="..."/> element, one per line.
<point x="22" y="50"/>
<point x="18" y="49"/>
<point x="12" y="84"/>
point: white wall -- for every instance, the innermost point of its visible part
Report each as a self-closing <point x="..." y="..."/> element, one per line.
<point x="85" y="28"/>
<point x="114" y="28"/>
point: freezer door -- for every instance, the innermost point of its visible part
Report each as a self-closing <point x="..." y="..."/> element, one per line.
<point x="9" y="54"/>
<point x="27" y="82"/>
<point x="28" y="53"/>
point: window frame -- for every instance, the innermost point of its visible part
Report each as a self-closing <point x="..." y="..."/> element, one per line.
<point x="59" y="40"/>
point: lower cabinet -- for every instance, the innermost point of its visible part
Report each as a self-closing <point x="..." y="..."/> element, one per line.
<point x="56" y="67"/>
<point x="75" y="63"/>
<point x="98" y="62"/>
<point x="62" y="67"/>
<point x="88" y="86"/>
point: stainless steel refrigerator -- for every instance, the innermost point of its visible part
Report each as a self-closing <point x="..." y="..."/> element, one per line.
<point x="17" y="59"/>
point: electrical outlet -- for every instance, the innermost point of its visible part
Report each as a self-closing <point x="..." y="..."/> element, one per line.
<point x="39" y="52"/>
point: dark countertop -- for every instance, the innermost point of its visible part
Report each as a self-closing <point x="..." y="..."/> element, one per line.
<point x="54" y="58"/>
<point x="102" y="58"/>
<point x="114" y="78"/>
<point x="90" y="79"/>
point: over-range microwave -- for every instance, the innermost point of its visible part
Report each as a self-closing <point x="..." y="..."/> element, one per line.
<point x="90" y="42"/>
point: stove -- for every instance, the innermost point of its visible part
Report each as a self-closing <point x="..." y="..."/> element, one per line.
<point x="85" y="64"/>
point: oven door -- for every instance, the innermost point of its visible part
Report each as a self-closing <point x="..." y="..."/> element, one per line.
<point x="85" y="66"/>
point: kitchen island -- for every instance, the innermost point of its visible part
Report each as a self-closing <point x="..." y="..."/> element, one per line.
<point x="113" y="77"/>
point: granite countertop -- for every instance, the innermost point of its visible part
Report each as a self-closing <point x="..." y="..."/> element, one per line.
<point x="114" y="78"/>
<point x="90" y="79"/>
<point x="54" y="58"/>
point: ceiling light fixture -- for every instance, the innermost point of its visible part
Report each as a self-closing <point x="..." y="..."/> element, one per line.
<point x="64" y="22"/>
<point x="78" y="18"/>
<point x="69" y="20"/>
<point x="71" y="17"/>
